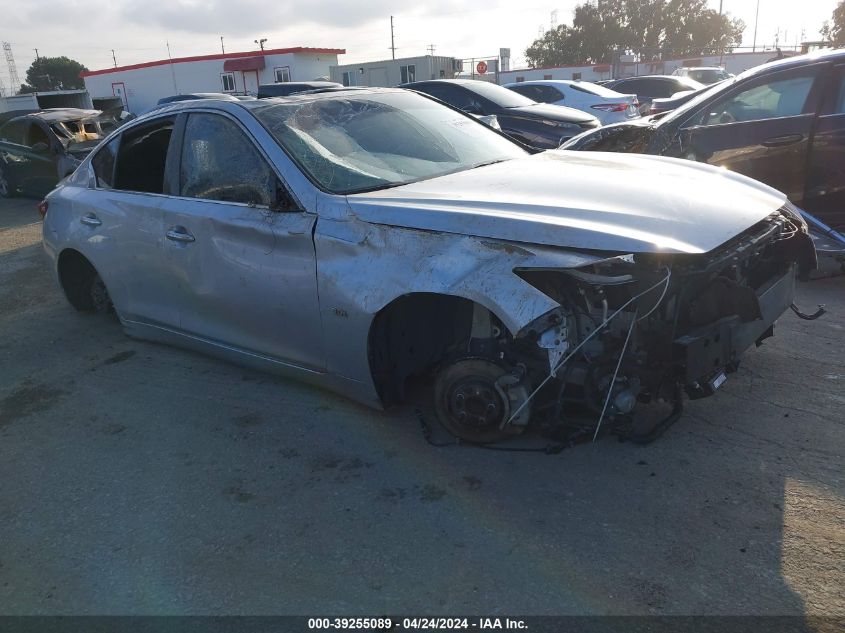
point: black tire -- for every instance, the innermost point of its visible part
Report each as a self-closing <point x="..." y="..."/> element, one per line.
<point x="8" y="187"/>
<point x="83" y="286"/>
<point x="467" y="403"/>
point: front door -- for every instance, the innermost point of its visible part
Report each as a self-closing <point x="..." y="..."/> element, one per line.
<point x="245" y="274"/>
<point x="825" y="194"/>
<point x="251" y="82"/>
<point x="761" y="130"/>
<point x="37" y="173"/>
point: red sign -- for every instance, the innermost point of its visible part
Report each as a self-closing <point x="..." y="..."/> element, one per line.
<point x="481" y="67"/>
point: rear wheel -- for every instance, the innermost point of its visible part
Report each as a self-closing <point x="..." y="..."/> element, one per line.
<point x="83" y="286"/>
<point x="469" y="403"/>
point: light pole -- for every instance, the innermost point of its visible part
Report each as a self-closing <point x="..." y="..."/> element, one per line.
<point x="756" y="18"/>
<point x="261" y="42"/>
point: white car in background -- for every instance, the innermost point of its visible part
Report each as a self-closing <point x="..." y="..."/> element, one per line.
<point x="606" y="105"/>
<point x="703" y="74"/>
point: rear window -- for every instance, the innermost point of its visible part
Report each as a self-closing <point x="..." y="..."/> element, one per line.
<point x="595" y="89"/>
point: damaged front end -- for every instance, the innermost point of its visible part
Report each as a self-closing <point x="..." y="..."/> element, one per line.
<point x="631" y="335"/>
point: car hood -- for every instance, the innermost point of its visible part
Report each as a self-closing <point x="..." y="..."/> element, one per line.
<point x="551" y="112"/>
<point x="582" y="200"/>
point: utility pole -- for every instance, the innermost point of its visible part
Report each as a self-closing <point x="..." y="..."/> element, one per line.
<point x="720" y="7"/>
<point x="223" y="48"/>
<point x="756" y="17"/>
<point x="36" y="54"/>
<point x="392" y="43"/>
<point x="431" y="49"/>
<point x="114" y="58"/>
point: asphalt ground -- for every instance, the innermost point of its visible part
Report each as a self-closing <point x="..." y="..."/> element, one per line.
<point x="142" y="479"/>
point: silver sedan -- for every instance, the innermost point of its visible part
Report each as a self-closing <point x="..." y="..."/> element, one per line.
<point x="359" y="239"/>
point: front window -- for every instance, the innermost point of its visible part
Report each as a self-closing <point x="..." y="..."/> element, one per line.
<point x="775" y="99"/>
<point x="356" y="143"/>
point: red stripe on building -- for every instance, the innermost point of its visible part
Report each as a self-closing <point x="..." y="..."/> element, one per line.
<point x="205" y="58"/>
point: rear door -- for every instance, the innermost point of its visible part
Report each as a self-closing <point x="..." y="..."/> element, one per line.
<point x="242" y="264"/>
<point x="761" y="129"/>
<point x="824" y="196"/>
<point x="119" y="221"/>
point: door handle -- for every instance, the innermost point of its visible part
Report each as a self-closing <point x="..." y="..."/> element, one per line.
<point x="89" y="219"/>
<point x="179" y="234"/>
<point x="782" y="141"/>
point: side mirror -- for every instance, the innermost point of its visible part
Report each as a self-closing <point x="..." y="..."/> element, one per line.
<point x="40" y="148"/>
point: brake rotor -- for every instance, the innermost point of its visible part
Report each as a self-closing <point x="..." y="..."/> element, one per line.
<point x="469" y="404"/>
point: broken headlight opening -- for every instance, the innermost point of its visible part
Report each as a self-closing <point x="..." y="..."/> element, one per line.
<point x="632" y="335"/>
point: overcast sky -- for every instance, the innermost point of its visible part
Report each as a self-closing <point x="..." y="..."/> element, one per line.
<point x="139" y="29"/>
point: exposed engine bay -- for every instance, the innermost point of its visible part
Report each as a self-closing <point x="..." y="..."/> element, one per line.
<point x="632" y="336"/>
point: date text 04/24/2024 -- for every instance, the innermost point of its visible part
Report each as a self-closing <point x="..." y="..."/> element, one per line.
<point x="409" y="624"/>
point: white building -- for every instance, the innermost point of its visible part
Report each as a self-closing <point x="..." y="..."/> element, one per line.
<point x="732" y="62"/>
<point x="142" y="85"/>
<point x="392" y="72"/>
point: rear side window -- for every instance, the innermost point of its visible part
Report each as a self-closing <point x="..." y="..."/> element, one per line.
<point x="219" y="162"/>
<point x="142" y="158"/>
<point x="548" y="94"/>
<point x="103" y="164"/>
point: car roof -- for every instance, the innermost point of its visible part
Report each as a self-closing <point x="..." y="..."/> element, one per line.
<point x="257" y="104"/>
<point x="317" y="83"/>
<point x="568" y="82"/>
<point x="796" y="61"/>
<point x="58" y="115"/>
<point x="458" y="82"/>
<point x="663" y="77"/>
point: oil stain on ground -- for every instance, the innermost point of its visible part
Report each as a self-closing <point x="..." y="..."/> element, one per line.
<point x="28" y="398"/>
<point x="120" y="357"/>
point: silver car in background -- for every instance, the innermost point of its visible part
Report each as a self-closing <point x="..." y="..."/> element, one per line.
<point x="360" y="239"/>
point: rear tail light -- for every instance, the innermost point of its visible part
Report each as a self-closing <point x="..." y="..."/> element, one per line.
<point x="611" y="107"/>
<point x="42" y="208"/>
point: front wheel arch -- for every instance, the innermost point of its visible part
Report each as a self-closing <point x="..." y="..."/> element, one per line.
<point x="413" y="334"/>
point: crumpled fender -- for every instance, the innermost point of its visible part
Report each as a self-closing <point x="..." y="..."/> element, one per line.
<point x="363" y="267"/>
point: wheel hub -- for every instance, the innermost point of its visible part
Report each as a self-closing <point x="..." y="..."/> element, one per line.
<point x="474" y="402"/>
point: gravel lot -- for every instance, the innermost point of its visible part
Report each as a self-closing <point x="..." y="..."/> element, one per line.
<point x="141" y="479"/>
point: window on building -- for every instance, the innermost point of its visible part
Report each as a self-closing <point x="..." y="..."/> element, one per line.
<point x="576" y="76"/>
<point x="409" y="73"/>
<point x="349" y="78"/>
<point x="282" y="74"/>
<point x="546" y="77"/>
<point x="228" y="80"/>
<point x="142" y="157"/>
<point x="519" y="80"/>
<point x="219" y="162"/>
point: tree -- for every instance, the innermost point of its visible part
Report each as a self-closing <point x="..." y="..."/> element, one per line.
<point x="650" y="29"/>
<point x="55" y="73"/>
<point x="835" y="32"/>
